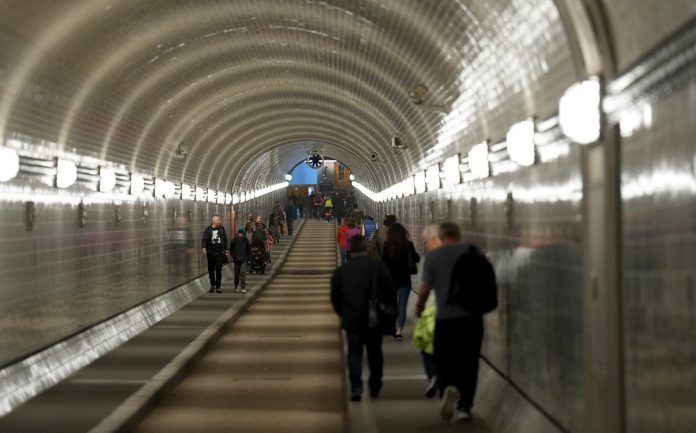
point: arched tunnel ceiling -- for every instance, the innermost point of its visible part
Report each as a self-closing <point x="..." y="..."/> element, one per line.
<point x="246" y="84"/>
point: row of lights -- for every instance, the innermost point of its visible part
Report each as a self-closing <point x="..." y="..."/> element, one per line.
<point x="579" y="118"/>
<point x="66" y="176"/>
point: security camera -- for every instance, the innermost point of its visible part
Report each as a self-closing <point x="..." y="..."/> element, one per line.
<point x="398" y="142"/>
<point x="373" y="156"/>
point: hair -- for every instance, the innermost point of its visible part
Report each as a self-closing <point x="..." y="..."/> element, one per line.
<point x="368" y="217"/>
<point x="350" y="222"/>
<point x="389" y="220"/>
<point x="449" y="230"/>
<point x="430" y="231"/>
<point x="397" y="239"/>
<point x="215" y="216"/>
<point x="358" y="244"/>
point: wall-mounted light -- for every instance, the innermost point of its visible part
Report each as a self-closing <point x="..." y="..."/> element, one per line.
<point x="288" y="177"/>
<point x="450" y="171"/>
<point x="228" y="198"/>
<point x="169" y="189"/>
<point x="212" y="195"/>
<point x="185" y="191"/>
<point x="107" y="179"/>
<point x="220" y="197"/>
<point x="432" y="177"/>
<point x="579" y="111"/>
<point x="520" y="143"/>
<point x="159" y="188"/>
<point x="9" y="164"/>
<point x="419" y="181"/>
<point x="408" y="186"/>
<point x="137" y="184"/>
<point x="200" y="193"/>
<point x="351" y="177"/>
<point x="478" y="160"/>
<point x="66" y="173"/>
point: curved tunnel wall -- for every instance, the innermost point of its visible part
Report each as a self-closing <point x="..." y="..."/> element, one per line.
<point x="244" y="86"/>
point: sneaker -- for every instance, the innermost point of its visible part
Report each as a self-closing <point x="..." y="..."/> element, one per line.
<point x="431" y="389"/>
<point x="244" y="291"/>
<point x="218" y="290"/>
<point x="463" y="415"/>
<point x="212" y="289"/>
<point x="449" y="402"/>
<point x="355" y="396"/>
<point x="398" y="336"/>
<point x="236" y="290"/>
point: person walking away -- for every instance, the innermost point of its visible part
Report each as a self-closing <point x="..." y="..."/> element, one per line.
<point x="310" y="205"/>
<point x="339" y="207"/>
<point x="341" y="238"/>
<point x="351" y="232"/>
<point x="282" y="220"/>
<point x="240" y="248"/>
<point x="369" y="227"/>
<point x="401" y="258"/>
<point x="432" y="241"/>
<point x="290" y="215"/>
<point x="214" y="247"/>
<point x="352" y="286"/>
<point x="328" y="207"/>
<point x="357" y="216"/>
<point x="274" y="225"/>
<point x="379" y="237"/>
<point x="458" y="332"/>
<point x="318" y="206"/>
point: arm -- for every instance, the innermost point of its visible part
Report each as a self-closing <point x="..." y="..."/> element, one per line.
<point x="204" y="241"/>
<point x="422" y="297"/>
<point x="414" y="253"/>
<point x="336" y="295"/>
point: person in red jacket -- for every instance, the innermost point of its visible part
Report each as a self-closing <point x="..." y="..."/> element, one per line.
<point x="341" y="238"/>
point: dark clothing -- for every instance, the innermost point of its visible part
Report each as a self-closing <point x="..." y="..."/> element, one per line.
<point x="437" y="271"/>
<point x="215" y="269"/>
<point x="259" y="232"/>
<point x="240" y="249"/>
<point x="398" y="265"/>
<point x="214" y="239"/>
<point x="373" y="340"/>
<point x="290" y="213"/>
<point x="351" y="288"/>
<point x="457" y="348"/>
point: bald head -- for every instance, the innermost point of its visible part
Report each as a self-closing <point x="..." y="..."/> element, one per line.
<point x="215" y="221"/>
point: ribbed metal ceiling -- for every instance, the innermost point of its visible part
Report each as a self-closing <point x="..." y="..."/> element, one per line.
<point x="250" y="86"/>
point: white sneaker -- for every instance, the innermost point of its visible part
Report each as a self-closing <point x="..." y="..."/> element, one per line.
<point x="449" y="403"/>
<point x="236" y="290"/>
<point x="463" y="415"/>
<point x="245" y="291"/>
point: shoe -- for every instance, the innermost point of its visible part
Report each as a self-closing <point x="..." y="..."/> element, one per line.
<point x="374" y="393"/>
<point x="449" y="402"/>
<point x="355" y="396"/>
<point x="217" y="290"/>
<point x="398" y="337"/>
<point x="463" y="415"/>
<point x="212" y="289"/>
<point x="244" y="291"/>
<point x="236" y="290"/>
<point x="431" y="389"/>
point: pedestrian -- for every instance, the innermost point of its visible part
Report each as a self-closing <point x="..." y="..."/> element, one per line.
<point x="214" y="248"/>
<point x="328" y="208"/>
<point x="290" y="215"/>
<point x="352" y="286"/>
<point x="379" y="237"/>
<point x="369" y="227"/>
<point x="339" y="207"/>
<point x="318" y="206"/>
<point x="357" y="215"/>
<point x="341" y="238"/>
<point x="401" y="258"/>
<point x="351" y="232"/>
<point x="458" y="332"/>
<point x="240" y="248"/>
<point x="424" y="332"/>
<point x="282" y="219"/>
<point x="274" y="225"/>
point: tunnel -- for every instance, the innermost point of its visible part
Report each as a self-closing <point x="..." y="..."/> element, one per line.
<point x="558" y="135"/>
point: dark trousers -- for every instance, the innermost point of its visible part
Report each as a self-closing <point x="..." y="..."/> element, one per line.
<point x="240" y="271"/>
<point x="375" y="361"/>
<point x="289" y="222"/>
<point x="215" y="269"/>
<point x="457" y="351"/>
<point x="429" y="364"/>
<point x="338" y="214"/>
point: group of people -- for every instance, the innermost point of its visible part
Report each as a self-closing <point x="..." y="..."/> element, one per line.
<point x="329" y="206"/>
<point x="375" y="277"/>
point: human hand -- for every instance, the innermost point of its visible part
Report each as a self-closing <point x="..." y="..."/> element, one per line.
<point x="419" y="309"/>
<point x="204" y="251"/>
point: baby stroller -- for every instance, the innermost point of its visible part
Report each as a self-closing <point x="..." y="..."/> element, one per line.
<point x="257" y="258"/>
<point x="328" y="214"/>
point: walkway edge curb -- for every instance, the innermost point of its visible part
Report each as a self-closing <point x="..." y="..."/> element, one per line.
<point x="128" y="415"/>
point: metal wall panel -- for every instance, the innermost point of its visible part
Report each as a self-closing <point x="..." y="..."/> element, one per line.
<point x="659" y="248"/>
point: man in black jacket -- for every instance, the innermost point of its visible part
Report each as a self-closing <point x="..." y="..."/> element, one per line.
<point x="240" y="249"/>
<point x="214" y="247"/>
<point x="352" y="285"/>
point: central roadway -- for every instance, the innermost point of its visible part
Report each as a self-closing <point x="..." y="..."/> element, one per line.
<point x="279" y="368"/>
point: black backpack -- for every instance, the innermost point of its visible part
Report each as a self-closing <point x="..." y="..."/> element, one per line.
<point x="472" y="284"/>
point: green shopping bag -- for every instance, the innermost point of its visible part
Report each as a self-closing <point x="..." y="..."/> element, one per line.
<point x="424" y="333"/>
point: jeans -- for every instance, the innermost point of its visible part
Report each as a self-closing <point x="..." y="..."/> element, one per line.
<point x="402" y="293"/>
<point x="373" y="340"/>
<point x="429" y="364"/>
<point x="275" y="232"/>
<point x="343" y="255"/>
<point x="215" y="269"/>
<point x="457" y="351"/>
<point x="240" y="271"/>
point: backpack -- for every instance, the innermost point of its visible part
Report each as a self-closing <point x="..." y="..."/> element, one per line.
<point x="472" y="283"/>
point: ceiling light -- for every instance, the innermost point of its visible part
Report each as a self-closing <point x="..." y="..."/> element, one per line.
<point x="520" y="143"/>
<point x="351" y="177"/>
<point x="450" y="170"/>
<point x="478" y="160"/>
<point x="212" y="195"/>
<point x="107" y="179"/>
<point x="169" y="189"/>
<point x="419" y="181"/>
<point x="200" y="193"/>
<point x="159" y="188"/>
<point x="9" y="164"/>
<point x="288" y="177"/>
<point x="185" y="192"/>
<point x="137" y="184"/>
<point x="66" y="173"/>
<point x="579" y="111"/>
<point x="432" y="177"/>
